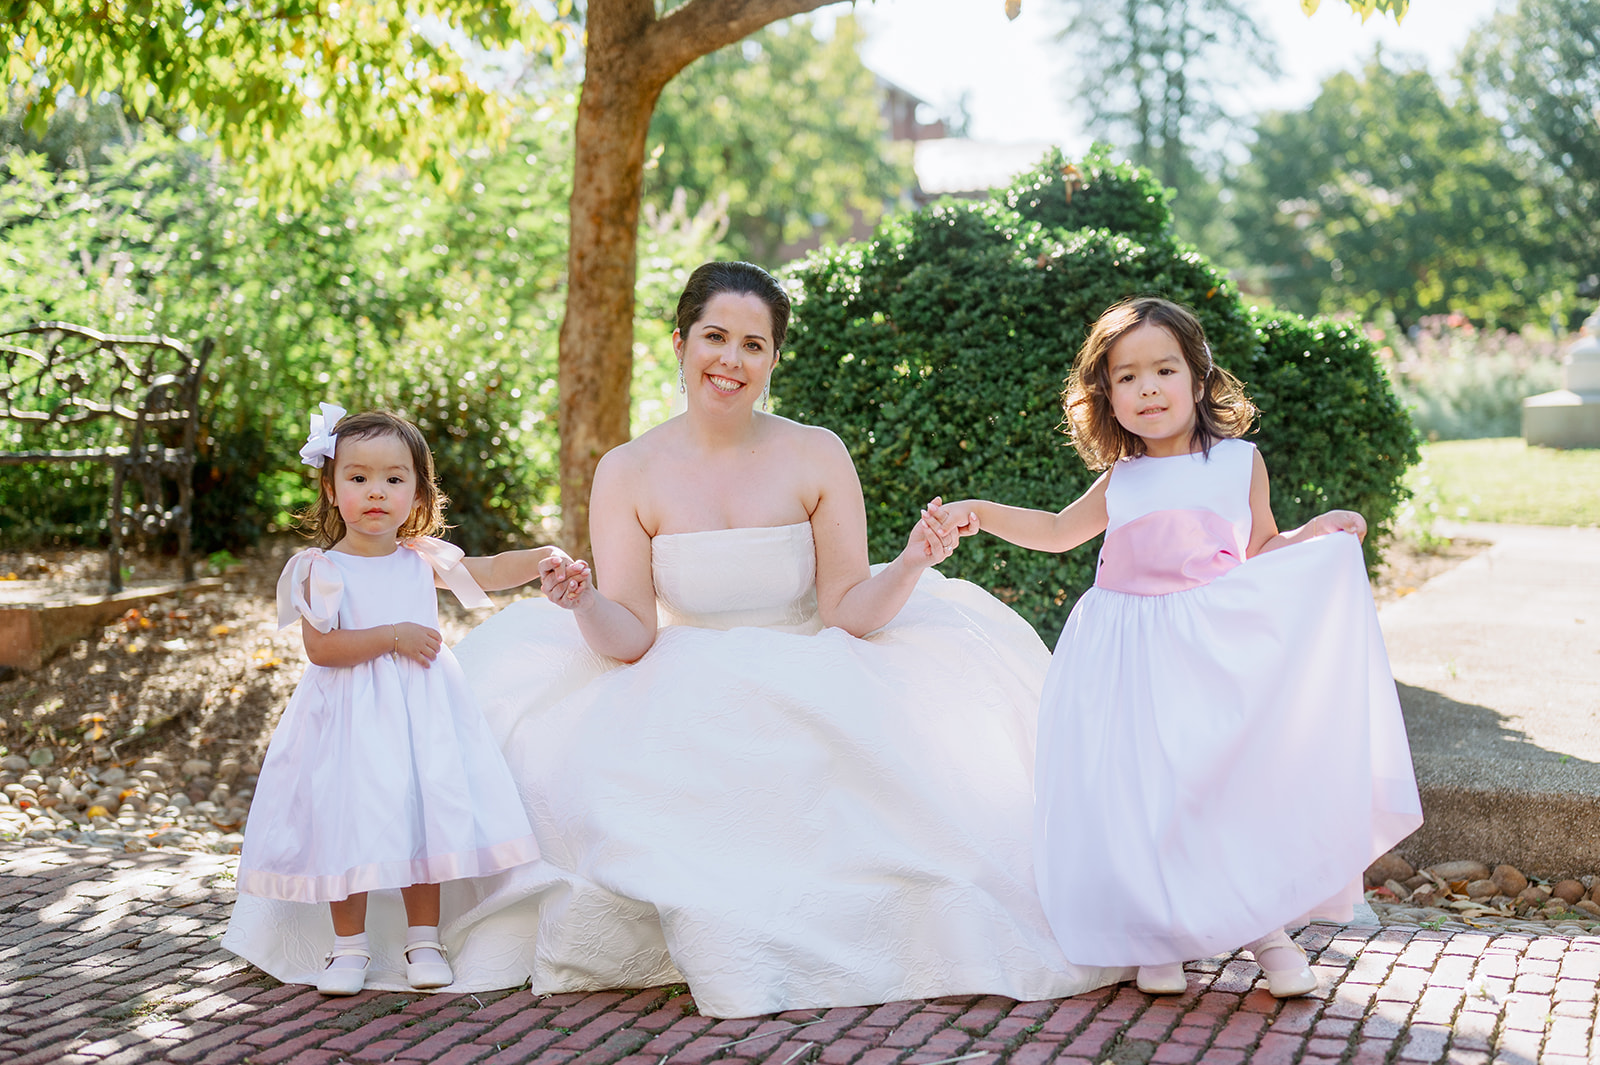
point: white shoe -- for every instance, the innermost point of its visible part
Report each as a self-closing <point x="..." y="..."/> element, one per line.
<point x="423" y="975"/>
<point x="1162" y="979"/>
<point x="1291" y="976"/>
<point x="344" y="979"/>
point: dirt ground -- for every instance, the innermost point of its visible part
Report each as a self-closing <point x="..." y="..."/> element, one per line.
<point x="205" y="675"/>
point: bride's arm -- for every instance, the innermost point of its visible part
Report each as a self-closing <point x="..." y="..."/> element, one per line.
<point x="621" y="622"/>
<point x="849" y="595"/>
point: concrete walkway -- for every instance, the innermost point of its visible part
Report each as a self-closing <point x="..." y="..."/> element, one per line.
<point x="109" y="959"/>
<point x="1498" y="662"/>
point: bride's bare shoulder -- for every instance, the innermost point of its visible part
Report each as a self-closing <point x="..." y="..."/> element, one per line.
<point x="636" y="457"/>
<point x="812" y="440"/>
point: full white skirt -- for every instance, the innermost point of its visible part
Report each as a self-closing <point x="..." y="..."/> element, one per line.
<point x="1219" y="762"/>
<point x="781" y="819"/>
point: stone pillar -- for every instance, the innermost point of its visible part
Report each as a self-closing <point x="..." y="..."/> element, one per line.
<point x="1570" y="416"/>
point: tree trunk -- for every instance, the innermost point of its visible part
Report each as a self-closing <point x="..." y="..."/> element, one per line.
<point x="629" y="57"/>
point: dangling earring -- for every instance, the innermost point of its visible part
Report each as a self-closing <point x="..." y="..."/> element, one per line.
<point x="766" y="393"/>
<point x="683" y="387"/>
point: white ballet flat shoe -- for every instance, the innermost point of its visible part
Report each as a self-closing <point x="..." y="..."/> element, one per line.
<point x="344" y="980"/>
<point x="427" y="974"/>
<point x="1162" y="979"/>
<point x="1292" y="980"/>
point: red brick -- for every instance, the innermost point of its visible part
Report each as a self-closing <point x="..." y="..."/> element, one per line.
<point x="1371" y="1052"/>
<point x="1175" y="1054"/>
<point x="1068" y="1017"/>
<point x="291" y="1048"/>
<point x="436" y="1044"/>
<point x="979" y="1018"/>
<point x="890" y="1014"/>
<point x="1277" y="1049"/>
<point x="1425" y="1042"/>
<point x="1221" y="1056"/>
<point x="588" y="1007"/>
<point x="1240" y="1031"/>
<point x="1033" y="1054"/>
<point x="595" y="1032"/>
<point x="917" y="1029"/>
<point x="465" y="1054"/>
<point x="1568" y="1035"/>
<point x="504" y="1034"/>
<point x="1295" y="1016"/>
<point x="843" y="1051"/>
<point x="880" y="1056"/>
<point x="1094" y="1039"/>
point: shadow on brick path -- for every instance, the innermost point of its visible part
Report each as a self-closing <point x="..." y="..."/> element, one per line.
<point x="109" y="958"/>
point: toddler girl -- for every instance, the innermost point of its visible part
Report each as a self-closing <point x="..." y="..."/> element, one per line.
<point x="1221" y="751"/>
<point x="383" y="772"/>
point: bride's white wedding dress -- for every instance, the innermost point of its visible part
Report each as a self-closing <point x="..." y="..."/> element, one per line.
<point x="781" y="815"/>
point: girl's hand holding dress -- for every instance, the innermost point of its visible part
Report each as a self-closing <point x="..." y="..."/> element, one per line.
<point x="1337" y="521"/>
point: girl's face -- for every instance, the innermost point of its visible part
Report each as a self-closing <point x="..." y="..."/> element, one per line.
<point x="1153" y="389"/>
<point x="728" y="354"/>
<point x="375" y="488"/>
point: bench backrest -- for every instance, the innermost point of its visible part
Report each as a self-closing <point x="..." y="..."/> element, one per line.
<point x="129" y="402"/>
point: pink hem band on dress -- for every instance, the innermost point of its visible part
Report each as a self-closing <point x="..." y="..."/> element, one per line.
<point x="377" y="877"/>
<point x="1168" y="551"/>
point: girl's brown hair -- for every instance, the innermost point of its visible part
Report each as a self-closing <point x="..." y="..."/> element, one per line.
<point x="322" y="522"/>
<point x="1221" y="408"/>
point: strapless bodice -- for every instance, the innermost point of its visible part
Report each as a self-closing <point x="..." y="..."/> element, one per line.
<point x="729" y="578"/>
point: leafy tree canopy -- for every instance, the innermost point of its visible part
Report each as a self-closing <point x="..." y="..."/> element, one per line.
<point x="307" y="90"/>
<point x="1387" y="198"/>
<point x="1537" y="68"/>
<point x="787" y="128"/>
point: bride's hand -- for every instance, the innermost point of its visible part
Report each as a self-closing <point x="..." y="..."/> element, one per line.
<point x="931" y="541"/>
<point x="565" y="581"/>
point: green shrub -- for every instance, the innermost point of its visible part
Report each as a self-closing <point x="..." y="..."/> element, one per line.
<point x="1107" y="194"/>
<point x="938" y="351"/>
<point x="1332" y="432"/>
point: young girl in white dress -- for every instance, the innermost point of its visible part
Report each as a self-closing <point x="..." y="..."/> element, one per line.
<point x="382" y="773"/>
<point x="1221" y="751"/>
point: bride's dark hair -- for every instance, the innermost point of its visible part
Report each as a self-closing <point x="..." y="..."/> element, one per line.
<point x="744" y="279"/>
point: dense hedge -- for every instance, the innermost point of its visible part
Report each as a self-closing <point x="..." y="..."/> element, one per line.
<point x="938" y="350"/>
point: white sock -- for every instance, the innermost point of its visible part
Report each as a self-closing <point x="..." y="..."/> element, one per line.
<point x="422" y="933"/>
<point x="349" y="961"/>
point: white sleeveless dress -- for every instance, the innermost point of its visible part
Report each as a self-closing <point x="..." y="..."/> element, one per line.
<point x="1221" y="751"/>
<point x="783" y="816"/>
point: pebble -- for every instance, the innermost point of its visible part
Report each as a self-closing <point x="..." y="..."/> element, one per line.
<point x="149" y="799"/>
<point x="1389" y="867"/>
<point x="1509" y="879"/>
<point x="1568" y="891"/>
<point x="1453" y="871"/>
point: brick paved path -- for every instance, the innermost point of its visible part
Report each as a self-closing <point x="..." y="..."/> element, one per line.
<point x="112" y="958"/>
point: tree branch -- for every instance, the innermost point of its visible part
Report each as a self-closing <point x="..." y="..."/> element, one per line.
<point x="700" y="27"/>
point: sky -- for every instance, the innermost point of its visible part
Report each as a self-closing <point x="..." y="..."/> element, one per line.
<point x="938" y="48"/>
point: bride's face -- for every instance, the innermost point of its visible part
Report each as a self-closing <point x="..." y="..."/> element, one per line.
<point x="728" y="354"/>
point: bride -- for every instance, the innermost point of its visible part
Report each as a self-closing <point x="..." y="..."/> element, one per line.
<point x="752" y="762"/>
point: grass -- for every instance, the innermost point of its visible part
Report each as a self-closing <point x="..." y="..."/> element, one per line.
<point x="1505" y="480"/>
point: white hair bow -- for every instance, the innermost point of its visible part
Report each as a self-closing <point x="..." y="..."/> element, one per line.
<point x="322" y="440"/>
